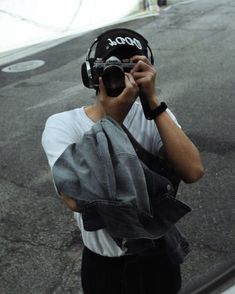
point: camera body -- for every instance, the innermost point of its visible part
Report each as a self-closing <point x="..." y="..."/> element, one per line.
<point x="111" y="70"/>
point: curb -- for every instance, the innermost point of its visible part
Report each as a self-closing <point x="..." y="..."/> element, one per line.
<point x="212" y="281"/>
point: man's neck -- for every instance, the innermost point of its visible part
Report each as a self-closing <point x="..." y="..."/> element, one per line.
<point x="94" y="112"/>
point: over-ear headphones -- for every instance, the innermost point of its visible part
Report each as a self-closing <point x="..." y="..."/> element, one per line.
<point x="113" y="41"/>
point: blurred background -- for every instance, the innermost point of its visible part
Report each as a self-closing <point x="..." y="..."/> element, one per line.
<point x="29" y="22"/>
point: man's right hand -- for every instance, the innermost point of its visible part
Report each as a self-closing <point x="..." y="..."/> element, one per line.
<point x="70" y="203"/>
<point x="118" y="107"/>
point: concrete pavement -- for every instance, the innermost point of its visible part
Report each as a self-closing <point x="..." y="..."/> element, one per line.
<point x="194" y="44"/>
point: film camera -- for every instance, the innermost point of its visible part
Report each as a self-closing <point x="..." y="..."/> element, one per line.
<point x="112" y="72"/>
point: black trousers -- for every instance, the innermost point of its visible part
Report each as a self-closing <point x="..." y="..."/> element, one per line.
<point x="129" y="274"/>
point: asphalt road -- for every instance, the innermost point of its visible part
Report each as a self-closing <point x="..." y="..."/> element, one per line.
<point x="194" y="47"/>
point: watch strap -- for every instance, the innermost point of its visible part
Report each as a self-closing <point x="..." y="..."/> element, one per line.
<point x="158" y="110"/>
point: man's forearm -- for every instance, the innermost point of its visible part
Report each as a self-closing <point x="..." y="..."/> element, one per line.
<point x="181" y="153"/>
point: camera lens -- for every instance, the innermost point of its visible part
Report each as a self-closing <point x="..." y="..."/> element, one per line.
<point x="114" y="80"/>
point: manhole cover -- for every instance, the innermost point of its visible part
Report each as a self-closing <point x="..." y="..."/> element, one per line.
<point x="24" y="66"/>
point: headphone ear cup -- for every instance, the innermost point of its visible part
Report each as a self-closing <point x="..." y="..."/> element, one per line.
<point x="85" y="76"/>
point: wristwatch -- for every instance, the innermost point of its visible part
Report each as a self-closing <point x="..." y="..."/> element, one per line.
<point x="158" y="110"/>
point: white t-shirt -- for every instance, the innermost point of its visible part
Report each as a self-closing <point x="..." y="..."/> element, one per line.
<point x="65" y="128"/>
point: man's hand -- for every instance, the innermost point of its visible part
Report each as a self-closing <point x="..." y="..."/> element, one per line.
<point x="144" y="75"/>
<point x="118" y="107"/>
<point x="70" y="202"/>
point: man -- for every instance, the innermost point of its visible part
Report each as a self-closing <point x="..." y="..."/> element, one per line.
<point x="107" y="267"/>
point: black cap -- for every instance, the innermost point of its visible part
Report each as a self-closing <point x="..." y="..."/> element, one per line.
<point x="122" y="43"/>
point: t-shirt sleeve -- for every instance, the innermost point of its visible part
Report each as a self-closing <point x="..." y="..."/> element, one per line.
<point x="56" y="137"/>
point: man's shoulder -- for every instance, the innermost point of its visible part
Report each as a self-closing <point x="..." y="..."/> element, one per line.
<point x="65" y="117"/>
